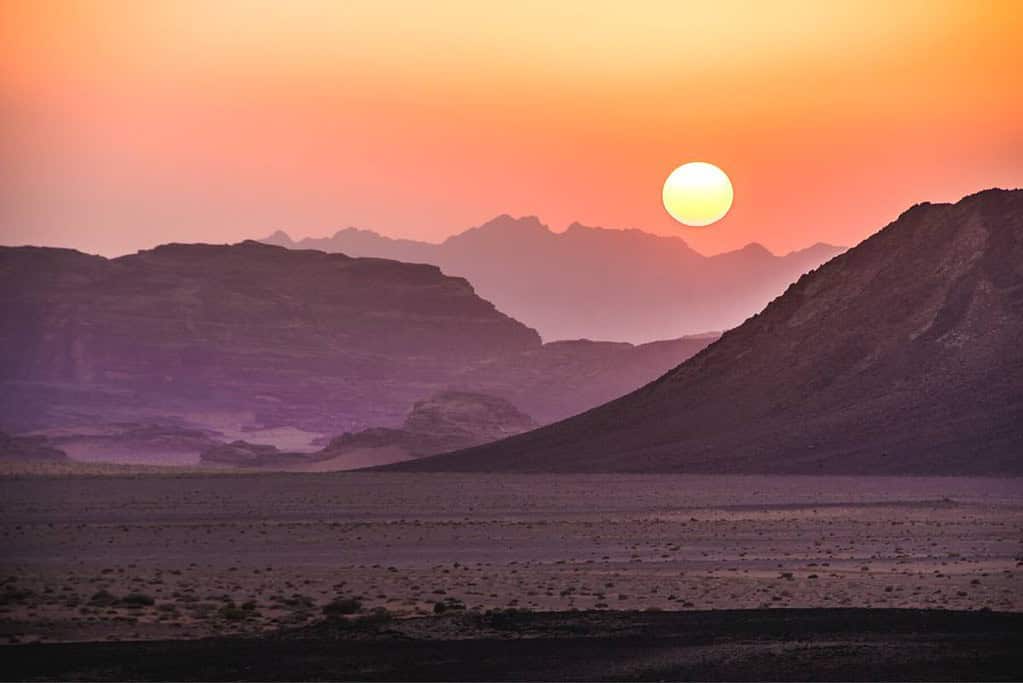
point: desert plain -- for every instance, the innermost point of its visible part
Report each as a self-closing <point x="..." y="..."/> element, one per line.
<point x="128" y="555"/>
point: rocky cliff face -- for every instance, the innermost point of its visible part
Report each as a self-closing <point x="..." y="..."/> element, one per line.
<point x="319" y="341"/>
<point x="902" y="355"/>
<point x="168" y="352"/>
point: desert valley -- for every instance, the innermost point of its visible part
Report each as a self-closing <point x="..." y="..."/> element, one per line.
<point x="243" y="368"/>
<point x="560" y="341"/>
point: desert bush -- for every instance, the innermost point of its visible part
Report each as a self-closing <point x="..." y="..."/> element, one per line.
<point x="342" y="606"/>
<point x="13" y="596"/>
<point x="297" y="601"/>
<point x="232" y="613"/>
<point x="102" y="598"/>
<point x="378" y="616"/>
<point x="136" y="600"/>
<point x="450" y="604"/>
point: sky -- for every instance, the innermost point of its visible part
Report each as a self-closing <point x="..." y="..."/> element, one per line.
<point x="128" y="124"/>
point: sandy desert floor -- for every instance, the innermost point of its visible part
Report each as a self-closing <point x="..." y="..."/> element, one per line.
<point x="164" y="555"/>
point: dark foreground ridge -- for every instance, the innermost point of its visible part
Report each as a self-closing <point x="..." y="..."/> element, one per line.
<point x="737" y="645"/>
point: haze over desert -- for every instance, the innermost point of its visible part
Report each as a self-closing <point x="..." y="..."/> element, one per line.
<point x="462" y="341"/>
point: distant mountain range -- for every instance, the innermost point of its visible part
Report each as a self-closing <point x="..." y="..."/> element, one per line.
<point x="187" y="345"/>
<point x="594" y="283"/>
<point x="902" y="356"/>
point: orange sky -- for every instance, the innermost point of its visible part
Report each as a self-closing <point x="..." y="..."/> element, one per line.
<point x="126" y="124"/>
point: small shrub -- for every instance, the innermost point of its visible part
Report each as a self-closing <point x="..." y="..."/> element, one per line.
<point x="342" y="606"/>
<point x="232" y="613"/>
<point x="136" y="600"/>
<point x="13" y="596"/>
<point x="377" y="617"/>
<point x="102" y="598"/>
<point x="297" y="601"/>
<point x="449" y="604"/>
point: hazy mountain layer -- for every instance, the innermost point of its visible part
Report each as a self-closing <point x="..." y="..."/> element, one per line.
<point x="595" y="283"/>
<point x="271" y="345"/>
<point x="320" y="341"/>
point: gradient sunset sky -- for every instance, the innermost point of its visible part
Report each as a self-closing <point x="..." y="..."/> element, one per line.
<point x="126" y="124"/>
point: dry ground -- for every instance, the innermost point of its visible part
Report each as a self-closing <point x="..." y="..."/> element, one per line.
<point x="126" y="555"/>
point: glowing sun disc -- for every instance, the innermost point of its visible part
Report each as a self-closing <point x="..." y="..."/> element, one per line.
<point x="697" y="194"/>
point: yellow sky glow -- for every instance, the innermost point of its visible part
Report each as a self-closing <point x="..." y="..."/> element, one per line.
<point x="131" y="123"/>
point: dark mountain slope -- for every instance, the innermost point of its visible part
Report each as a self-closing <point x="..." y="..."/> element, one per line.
<point x="903" y="355"/>
<point x="595" y="283"/>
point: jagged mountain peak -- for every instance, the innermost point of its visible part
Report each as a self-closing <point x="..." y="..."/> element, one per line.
<point x="593" y="282"/>
<point x="280" y="238"/>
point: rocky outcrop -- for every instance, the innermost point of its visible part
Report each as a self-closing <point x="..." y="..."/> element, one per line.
<point x="133" y="435"/>
<point x="901" y="356"/>
<point x="447" y="421"/>
<point x="131" y="442"/>
<point x="443" y="422"/>
<point x="244" y="454"/>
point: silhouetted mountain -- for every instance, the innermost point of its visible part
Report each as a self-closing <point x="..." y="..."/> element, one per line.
<point x="903" y="355"/>
<point x="360" y="243"/>
<point x="269" y="345"/>
<point x="595" y="283"/>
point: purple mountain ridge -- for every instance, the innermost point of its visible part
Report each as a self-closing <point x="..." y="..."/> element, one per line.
<point x="183" y="346"/>
<point x="594" y="283"/>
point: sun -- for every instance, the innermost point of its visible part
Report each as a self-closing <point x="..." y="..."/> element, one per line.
<point x="697" y="194"/>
